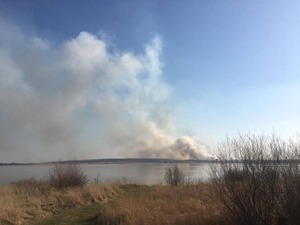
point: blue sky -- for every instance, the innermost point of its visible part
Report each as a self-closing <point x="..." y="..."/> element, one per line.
<point x="230" y="66"/>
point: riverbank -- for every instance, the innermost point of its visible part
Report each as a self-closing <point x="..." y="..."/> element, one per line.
<point x="162" y="205"/>
<point x="32" y="204"/>
<point x="29" y="199"/>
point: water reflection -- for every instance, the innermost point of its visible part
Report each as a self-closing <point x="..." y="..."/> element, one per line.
<point x="140" y="173"/>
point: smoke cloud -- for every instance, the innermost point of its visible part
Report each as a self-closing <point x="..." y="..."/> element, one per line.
<point x="81" y="98"/>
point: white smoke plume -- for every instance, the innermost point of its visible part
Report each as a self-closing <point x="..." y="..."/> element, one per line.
<point x="81" y="98"/>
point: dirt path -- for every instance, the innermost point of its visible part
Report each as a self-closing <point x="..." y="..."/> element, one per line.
<point x="84" y="215"/>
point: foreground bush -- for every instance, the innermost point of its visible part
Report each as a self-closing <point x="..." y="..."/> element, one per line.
<point x="65" y="175"/>
<point x="289" y="190"/>
<point x="175" y="176"/>
<point x="258" y="181"/>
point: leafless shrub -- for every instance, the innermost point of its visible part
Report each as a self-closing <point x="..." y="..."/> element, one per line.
<point x="175" y="176"/>
<point x="289" y="194"/>
<point x="64" y="175"/>
<point x="258" y="180"/>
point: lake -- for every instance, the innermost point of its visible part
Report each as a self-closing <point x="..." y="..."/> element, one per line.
<point x="139" y="173"/>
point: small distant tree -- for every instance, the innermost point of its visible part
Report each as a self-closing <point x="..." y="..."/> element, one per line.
<point x="174" y="176"/>
<point x="64" y="175"/>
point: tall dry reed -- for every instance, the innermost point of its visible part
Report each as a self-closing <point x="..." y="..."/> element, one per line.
<point x="162" y="205"/>
<point x="30" y="199"/>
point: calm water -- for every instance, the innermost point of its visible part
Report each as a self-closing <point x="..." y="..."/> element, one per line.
<point x="130" y="173"/>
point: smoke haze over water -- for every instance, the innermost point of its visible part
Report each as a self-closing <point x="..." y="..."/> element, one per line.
<point x="81" y="98"/>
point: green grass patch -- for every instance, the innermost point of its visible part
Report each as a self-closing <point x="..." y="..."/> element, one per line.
<point x="84" y="215"/>
<point x="134" y="189"/>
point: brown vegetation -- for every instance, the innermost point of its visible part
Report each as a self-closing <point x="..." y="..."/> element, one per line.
<point x="28" y="199"/>
<point x="162" y="205"/>
<point x="263" y="185"/>
<point x="64" y="175"/>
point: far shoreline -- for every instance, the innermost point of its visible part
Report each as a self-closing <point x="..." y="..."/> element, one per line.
<point x="116" y="161"/>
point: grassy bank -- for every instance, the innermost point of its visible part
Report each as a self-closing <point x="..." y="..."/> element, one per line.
<point x="29" y="199"/>
<point x="143" y="205"/>
<point x="33" y="203"/>
<point x="162" y="205"/>
<point x="83" y="215"/>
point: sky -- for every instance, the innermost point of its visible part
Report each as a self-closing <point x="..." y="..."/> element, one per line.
<point x="101" y="79"/>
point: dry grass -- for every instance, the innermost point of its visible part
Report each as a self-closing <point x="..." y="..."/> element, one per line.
<point x="161" y="205"/>
<point x="137" y="205"/>
<point x="30" y="199"/>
